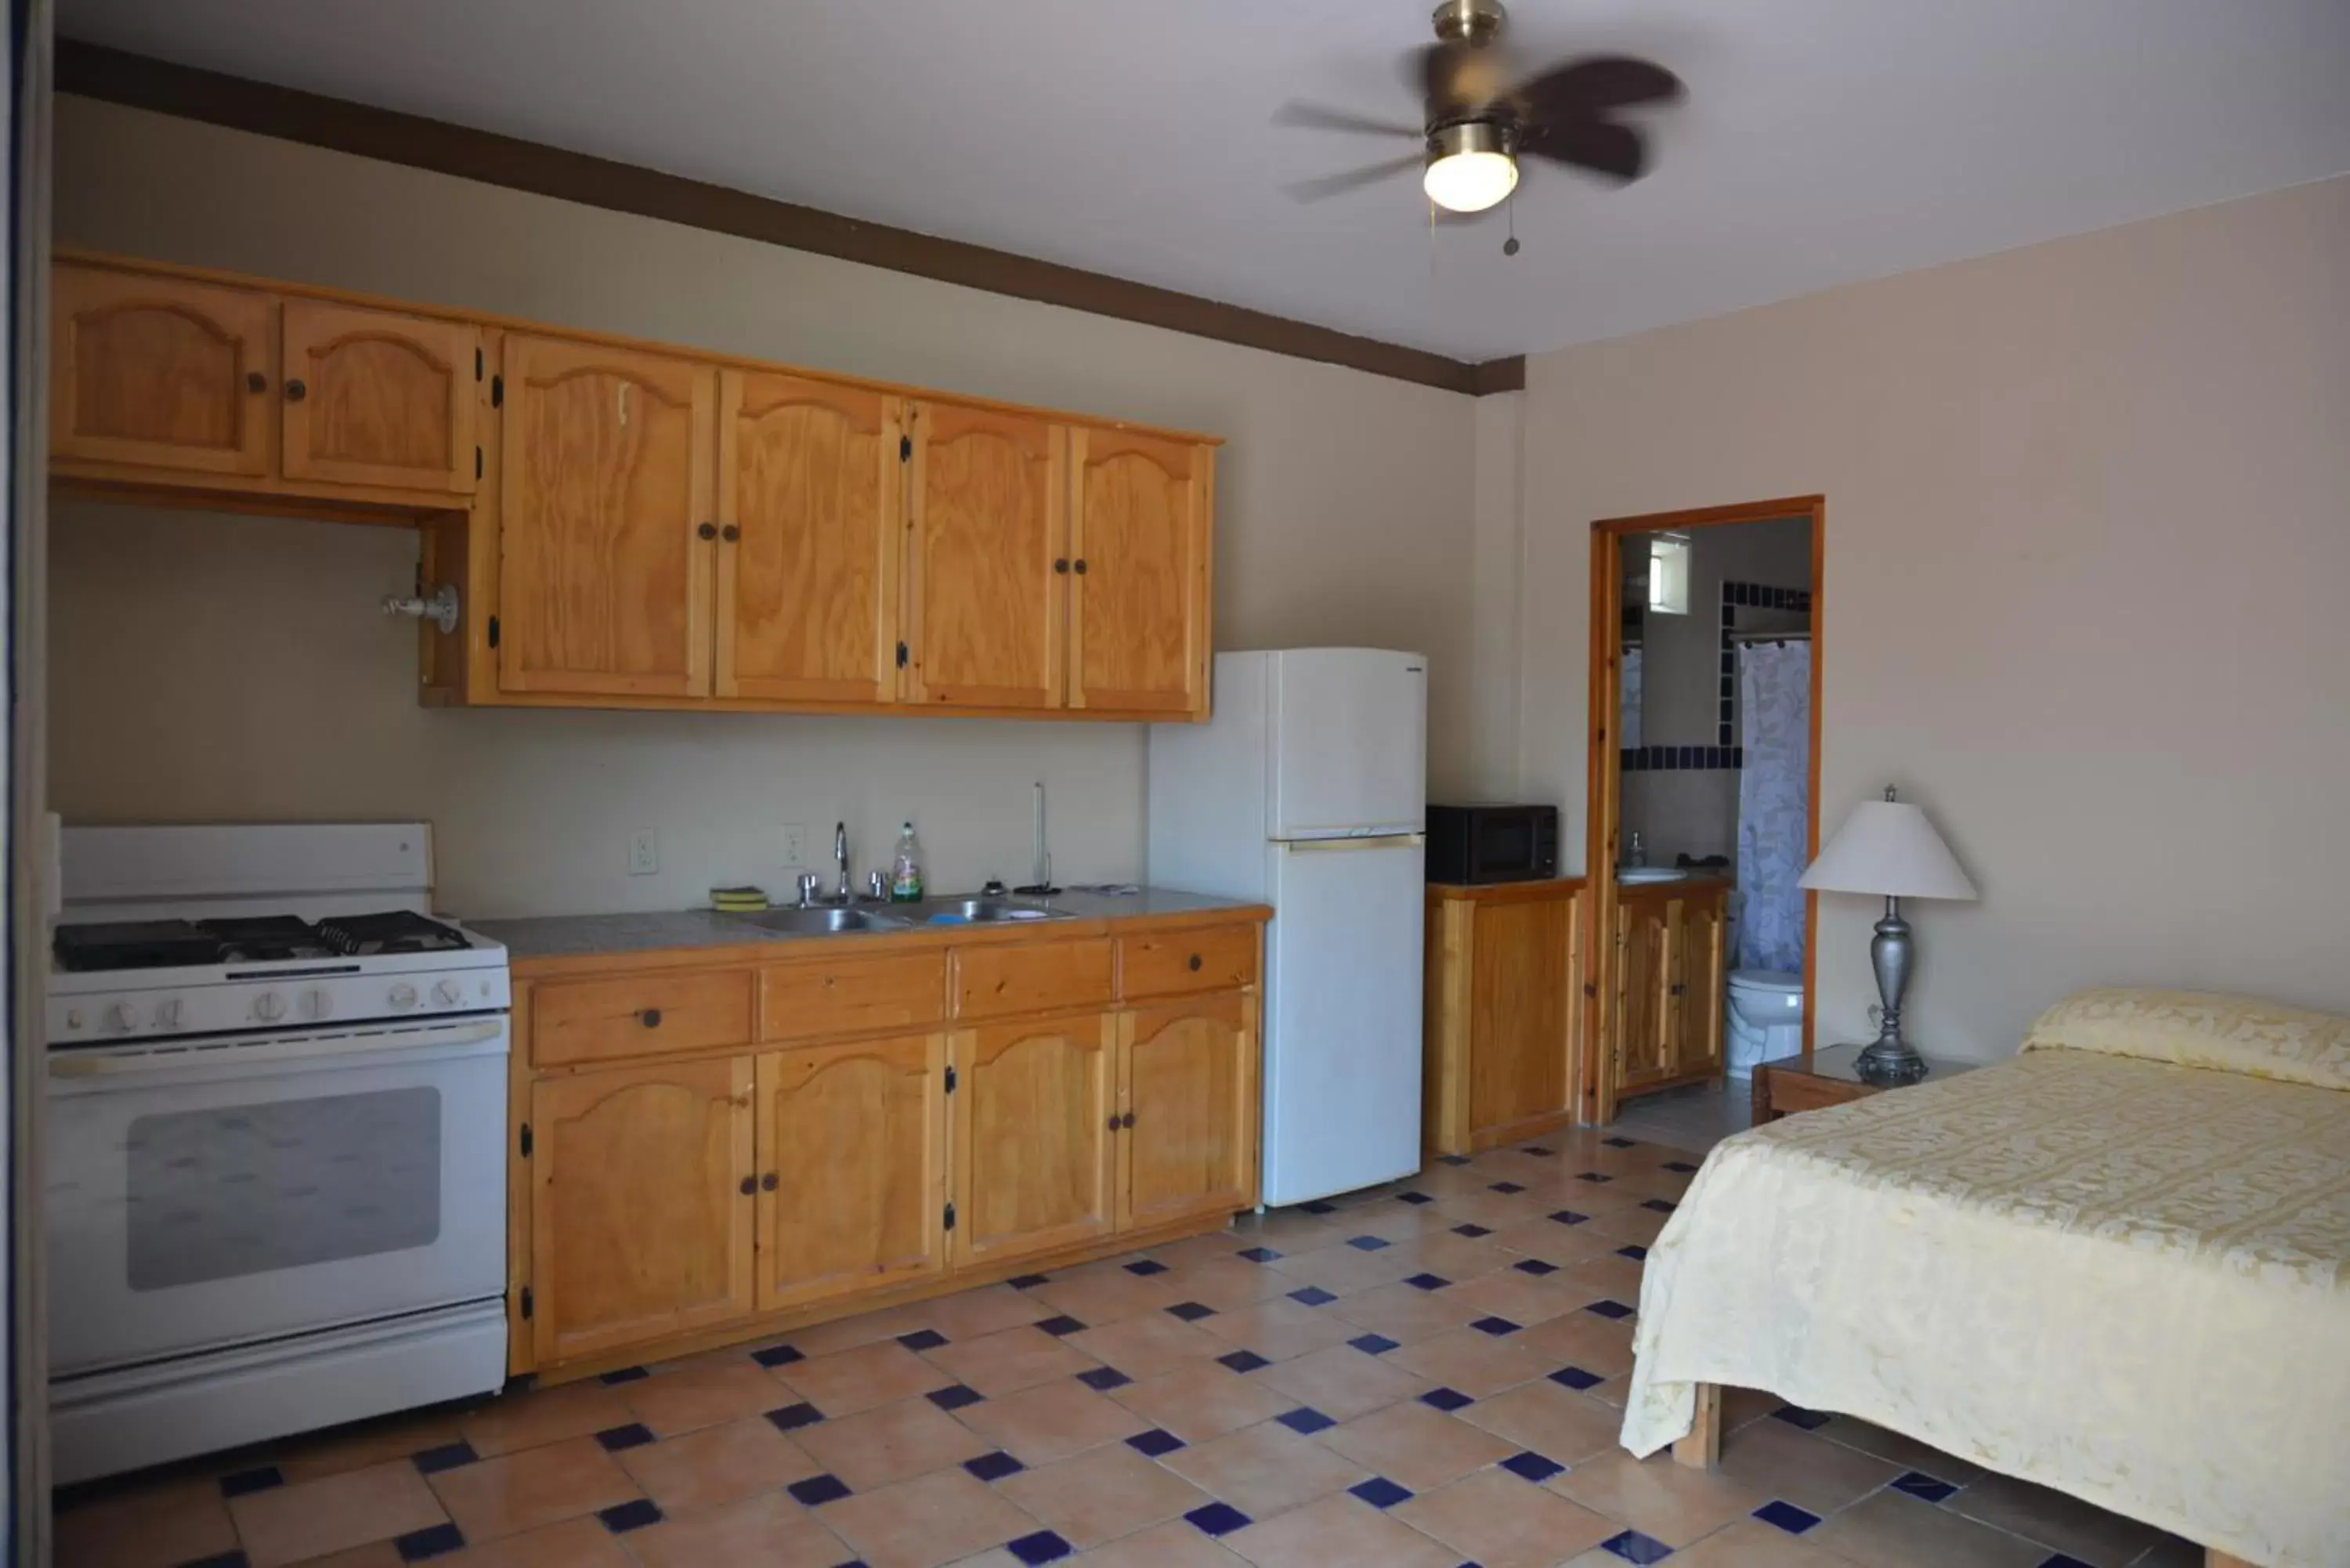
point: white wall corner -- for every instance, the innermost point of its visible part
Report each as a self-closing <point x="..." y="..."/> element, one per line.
<point x="1495" y="604"/>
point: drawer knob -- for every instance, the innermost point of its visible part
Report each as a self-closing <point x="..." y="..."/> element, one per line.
<point x="730" y="533"/>
<point x="706" y="531"/>
<point x="1062" y="565"/>
<point x="750" y="1185"/>
<point x="649" y="1018"/>
<point x="1195" y="964"/>
<point x="1126" y="1120"/>
<point x="767" y="1182"/>
<point x="255" y="381"/>
<point x="1113" y="1121"/>
<point x="295" y="392"/>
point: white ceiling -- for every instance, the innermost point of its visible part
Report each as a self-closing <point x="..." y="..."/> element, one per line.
<point x="1823" y="141"/>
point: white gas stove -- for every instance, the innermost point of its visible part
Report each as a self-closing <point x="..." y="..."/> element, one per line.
<point x="276" y="1139"/>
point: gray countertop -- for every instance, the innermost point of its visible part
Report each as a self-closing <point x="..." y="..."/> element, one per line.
<point x="580" y="936"/>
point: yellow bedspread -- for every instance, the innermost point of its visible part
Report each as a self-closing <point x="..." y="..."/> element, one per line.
<point x="2120" y="1277"/>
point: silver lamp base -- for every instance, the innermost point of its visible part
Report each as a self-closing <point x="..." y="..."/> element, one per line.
<point x="1890" y="1061"/>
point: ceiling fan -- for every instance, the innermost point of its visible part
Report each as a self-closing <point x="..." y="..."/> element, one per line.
<point x="1474" y="125"/>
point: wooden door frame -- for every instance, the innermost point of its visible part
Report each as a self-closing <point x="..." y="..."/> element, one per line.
<point x="1594" y="1090"/>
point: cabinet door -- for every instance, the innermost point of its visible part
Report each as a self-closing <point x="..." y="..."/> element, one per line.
<point x="809" y="491"/>
<point x="605" y="531"/>
<point x="852" y="1158"/>
<point x="989" y="561"/>
<point x="376" y="397"/>
<point x="1521" y="994"/>
<point x="1698" y="950"/>
<point x="160" y="373"/>
<point x="641" y="1204"/>
<point x="1034" y="1155"/>
<point x="1138" y="573"/>
<point x="1186" y="1076"/>
<point x="1644" y="979"/>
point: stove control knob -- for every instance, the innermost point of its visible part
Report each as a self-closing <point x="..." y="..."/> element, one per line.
<point x="317" y="1003"/>
<point x="123" y="1016"/>
<point x="402" y="997"/>
<point x="447" y="995"/>
<point x="167" y="1014"/>
<point x="269" y="1007"/>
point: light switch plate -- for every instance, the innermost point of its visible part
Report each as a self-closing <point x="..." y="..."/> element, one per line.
<point x="792" y="838"/>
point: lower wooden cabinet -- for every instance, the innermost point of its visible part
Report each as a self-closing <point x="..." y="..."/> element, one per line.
<point x="1188" y="1089"/>
<point x="1665" y="1019"/>
<point x="1035" y="1136"/>
<point x="693" y="1197"/>
<point x="641" y="1213"/>
<point x="853" y="1167"/>
<point x="1504" y="993"/>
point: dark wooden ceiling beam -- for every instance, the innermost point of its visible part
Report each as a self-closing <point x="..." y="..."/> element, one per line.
<point x="140" y="81"/>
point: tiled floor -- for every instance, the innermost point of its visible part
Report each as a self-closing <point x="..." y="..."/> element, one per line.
<point x="1692" y="1119"/>
<point x="1425" y="1375"/>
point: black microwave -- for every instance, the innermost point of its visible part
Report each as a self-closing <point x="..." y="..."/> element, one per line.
<point x="1486" y="842"/>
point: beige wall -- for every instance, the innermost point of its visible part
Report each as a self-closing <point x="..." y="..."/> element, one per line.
<point x="215" y="668"/>
<point x="2086" y="553"/>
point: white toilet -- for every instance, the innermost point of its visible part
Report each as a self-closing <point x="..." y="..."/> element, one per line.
<point x="1766" y="1017"/>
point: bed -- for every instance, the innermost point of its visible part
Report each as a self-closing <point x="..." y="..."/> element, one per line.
<point x="2117" y="1265"/>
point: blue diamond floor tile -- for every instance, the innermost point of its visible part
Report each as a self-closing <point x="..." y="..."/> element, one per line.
<point x="1102" y="1379"/>
<point x="433" y="1541"/>
<point x="1534" y="1467"/>
<point x="1381" y="1492"/>
<point x="1786" y="1516"/>
<point x="1154" y="1442"/>
<point x="1634" y="1547"/>
<point x="1038" y="1549"/>
<point x="1306" y="1420"/>
<point x="1217" y="1518"/>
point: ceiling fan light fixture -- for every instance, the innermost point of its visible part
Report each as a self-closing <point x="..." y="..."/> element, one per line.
<point x="1470" y="166"/>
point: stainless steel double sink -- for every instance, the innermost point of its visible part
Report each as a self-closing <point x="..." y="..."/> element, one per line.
<point x="834" y="920"/>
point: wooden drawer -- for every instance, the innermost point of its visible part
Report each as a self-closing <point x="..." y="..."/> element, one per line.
<point x="1171" y="964"/>
<point x="639" y="1015"/>
<point x="1031" y="977"/>
<point x="1794" y="1092"/>
<point x="852" y="994"/>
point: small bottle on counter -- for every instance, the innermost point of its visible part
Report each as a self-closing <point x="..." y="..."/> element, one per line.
<point x="906" y="869"/>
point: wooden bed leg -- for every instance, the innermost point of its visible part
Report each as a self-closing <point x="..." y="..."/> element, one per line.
<point x="1701" y="1449"/>
<point x="2214" y="1558"/>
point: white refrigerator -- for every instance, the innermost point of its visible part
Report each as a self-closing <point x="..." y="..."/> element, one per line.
<point x="1307" y="791"/>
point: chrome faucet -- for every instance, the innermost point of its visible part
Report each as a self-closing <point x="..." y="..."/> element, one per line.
<point x="840" y="854"/>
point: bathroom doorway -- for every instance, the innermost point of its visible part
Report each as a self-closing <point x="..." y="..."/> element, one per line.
<point x="1703" y="808"/>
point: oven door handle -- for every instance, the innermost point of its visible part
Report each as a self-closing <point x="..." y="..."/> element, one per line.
<point x="487" y="1037"/>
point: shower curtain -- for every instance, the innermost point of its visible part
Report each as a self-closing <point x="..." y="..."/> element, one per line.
<point x="1775" y="701"/>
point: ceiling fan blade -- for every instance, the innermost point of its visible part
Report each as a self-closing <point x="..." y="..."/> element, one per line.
<point x="1331" y="185"/>
<point x="1601" y="146"/>
<point x="1590" y="87"/>
<point x="1313" y="117"/>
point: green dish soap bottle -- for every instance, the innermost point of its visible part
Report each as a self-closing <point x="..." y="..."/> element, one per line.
<point x="906" y="869"/>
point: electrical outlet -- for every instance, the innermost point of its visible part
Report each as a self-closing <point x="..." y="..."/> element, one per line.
<point x="644" y="855"/>
<point x="793" y="839"/>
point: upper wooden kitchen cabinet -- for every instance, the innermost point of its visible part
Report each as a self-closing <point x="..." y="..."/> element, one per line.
<point x="988" y="565"/>
<point x="810" y="490"/>
<point x="605" y="522"/>
<point x="376" y="397"/>
<point x="853" y="1184"/>
<point x="641" y="1203"/>
<point x="1035" y="1136"/>
<point x="1139" y="543"/>
<point x="1504" y="999"/>
<point x="1187" y="1086"/>
<point x="160" y="372"/>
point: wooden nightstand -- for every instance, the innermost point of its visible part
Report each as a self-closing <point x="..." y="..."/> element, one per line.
<point x="1796" y="1084"/>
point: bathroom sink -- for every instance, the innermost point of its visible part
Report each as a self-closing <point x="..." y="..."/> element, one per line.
<point x="1634" y="875"/>
<point x="983" y="912"/>
<point x="824" y="921"/>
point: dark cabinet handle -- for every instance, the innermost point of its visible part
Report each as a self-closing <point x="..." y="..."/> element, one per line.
<point x="295" y="392"/>
<point x="1113" y="1121"/>
<point x="1195" y="964"/>
<point x="649" y="1018"/>
<point x="707" y="531"/>
<point x="767" y="1182"/>
<point x="750" y="1185"/>
<point x="1062" y="565"/>
<point x="255" y="381"/>
<point x="1078" y="567"/>
<point x="1126" y="1120"/>
<point x="730" y="533"/>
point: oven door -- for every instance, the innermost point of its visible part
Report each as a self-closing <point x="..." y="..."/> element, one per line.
<point x="214" y="1193"/>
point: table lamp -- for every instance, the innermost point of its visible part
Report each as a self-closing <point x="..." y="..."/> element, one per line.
<point x="1888" y="849"/>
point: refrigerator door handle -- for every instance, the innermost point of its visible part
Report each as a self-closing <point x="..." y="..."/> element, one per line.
<point x="1336" y="845"/>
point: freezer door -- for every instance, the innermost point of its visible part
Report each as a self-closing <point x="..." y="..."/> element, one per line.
<point x="1350" y="752"/>
<point x="1342" y="1043"/>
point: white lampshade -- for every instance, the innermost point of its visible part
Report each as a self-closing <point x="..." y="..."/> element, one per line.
<point x="1886" y="847"/>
